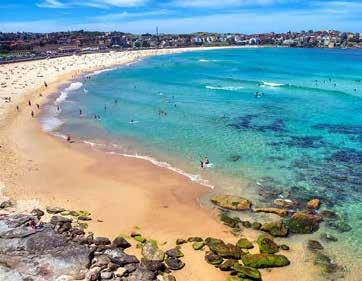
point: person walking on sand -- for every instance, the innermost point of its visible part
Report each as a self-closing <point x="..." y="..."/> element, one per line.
<point x="69" y="139"/>
<point x="38" y="106"/>
<point x="17" y="108"/>
<point x="45" y="84"/>
<point x="32" y="114"/>
<point x="29" y="102"/>
<point x="201" y="164"/>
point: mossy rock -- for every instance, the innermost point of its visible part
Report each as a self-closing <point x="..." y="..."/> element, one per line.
<point x="244" y="243"/>
<point x="247" y="272"/>
<point x="284" y="247"/>
<point x="303" y="223"/>
<point x="267" y="245"/>
<point x="213" y="258"/>
<point x="139" y="238"/>
<point x="264" y="260"/>
<point x="174" y="263"/>
<point x="227" y="265"/>
<point x="231" y="202"/>
<point x="224" y="250"/>
<point x="150" y="251"/>
<point x="314" y="245"/>
<point x="229" y="221"/>
<point x="246" y="224"/>
<point x="175" y="253"/>
<point x="198" y="245"/>
<point x="277" y="228"/>
<point x="256" y="225"/>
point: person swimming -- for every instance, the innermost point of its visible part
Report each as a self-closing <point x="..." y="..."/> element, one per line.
<point x="206" y="161"/>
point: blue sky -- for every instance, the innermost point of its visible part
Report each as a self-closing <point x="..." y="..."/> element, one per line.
<point x="178" y="16"/>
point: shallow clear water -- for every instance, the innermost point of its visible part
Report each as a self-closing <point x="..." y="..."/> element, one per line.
<point x="301" y="136"/>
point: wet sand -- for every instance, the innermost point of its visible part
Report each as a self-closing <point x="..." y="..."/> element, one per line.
<point x="123" y="194"/>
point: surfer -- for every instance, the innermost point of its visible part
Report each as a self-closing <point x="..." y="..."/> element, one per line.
<point x="80" y="112"/>
<point x="201" y="164"/>
<point x="206" y="161"/>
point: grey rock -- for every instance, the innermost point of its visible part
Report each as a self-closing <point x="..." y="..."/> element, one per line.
<point x="142" y="274"/>
<point x="119" y="257"/>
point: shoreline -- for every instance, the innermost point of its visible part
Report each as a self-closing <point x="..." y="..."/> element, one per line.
<point x="122" y="194"/>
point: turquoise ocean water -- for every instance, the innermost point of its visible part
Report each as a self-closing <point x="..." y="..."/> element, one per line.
<point x="287" y="121"/>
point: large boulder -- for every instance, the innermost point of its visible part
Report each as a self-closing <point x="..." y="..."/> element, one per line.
<point x="267" y="245"/>
<point x="213" y="258"/>
<point x="265" y="260"/>
<point x="222" y="249"/>
<point x="277" y="228"/>
<point x="303" y="222"/>
<point x="42" y="254"/>
<point x="231" y="202"/>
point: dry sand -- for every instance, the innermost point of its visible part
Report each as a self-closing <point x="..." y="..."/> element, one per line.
<point x="123" y="194"/>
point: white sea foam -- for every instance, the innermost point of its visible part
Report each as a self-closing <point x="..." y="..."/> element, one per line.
<point x="192" y="177"/>
<point x="50" y="123"/>
<point x="272" y="84"/>
<point x="64" y="93"/>
<point x="162" y="164"/>
<point x="225" y="88"/>
<point x="204" y="60"/>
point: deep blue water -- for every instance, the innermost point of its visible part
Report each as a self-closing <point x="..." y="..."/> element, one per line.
<point x="300" y="136"/>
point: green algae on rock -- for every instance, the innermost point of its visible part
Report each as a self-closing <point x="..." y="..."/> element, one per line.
<point x="150" y="251"/>
<point x="231" y="202"/>
<point x="248" y="272"/>
<point x="198" y="245"/>
<point x="222" y="249"/>
<point x="244" y="243"/>
<point x="265" y="260"/>
<point x="227" y="265"/>
<point x="267" y="245"/>
<point x="229" y="221"/>
<point x="304" y="223"/>
<point x="213" y="258"/>
<point x="277" y="228"/>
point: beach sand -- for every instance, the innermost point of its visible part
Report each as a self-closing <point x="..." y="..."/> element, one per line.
<point x="123" y="194"/>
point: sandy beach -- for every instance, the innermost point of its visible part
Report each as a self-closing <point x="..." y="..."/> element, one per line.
<point x="122" y="194"/>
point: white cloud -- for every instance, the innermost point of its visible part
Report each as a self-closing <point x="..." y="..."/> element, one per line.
<point x="102" y="4"/>
<point x="54" y="4"/>
<point x="223" y="3"/>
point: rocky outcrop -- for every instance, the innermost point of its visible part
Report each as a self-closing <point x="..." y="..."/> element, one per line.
<point x="303" y="222"/>
<point x="39" y="252"/>
<point x="222" y="249"/>
<point x="264" y="260"/>
<point x="277" y="228"/>
<point x="231" y="202"/>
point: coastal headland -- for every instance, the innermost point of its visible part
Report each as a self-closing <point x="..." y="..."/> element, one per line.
<point x="124" y="196"/>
